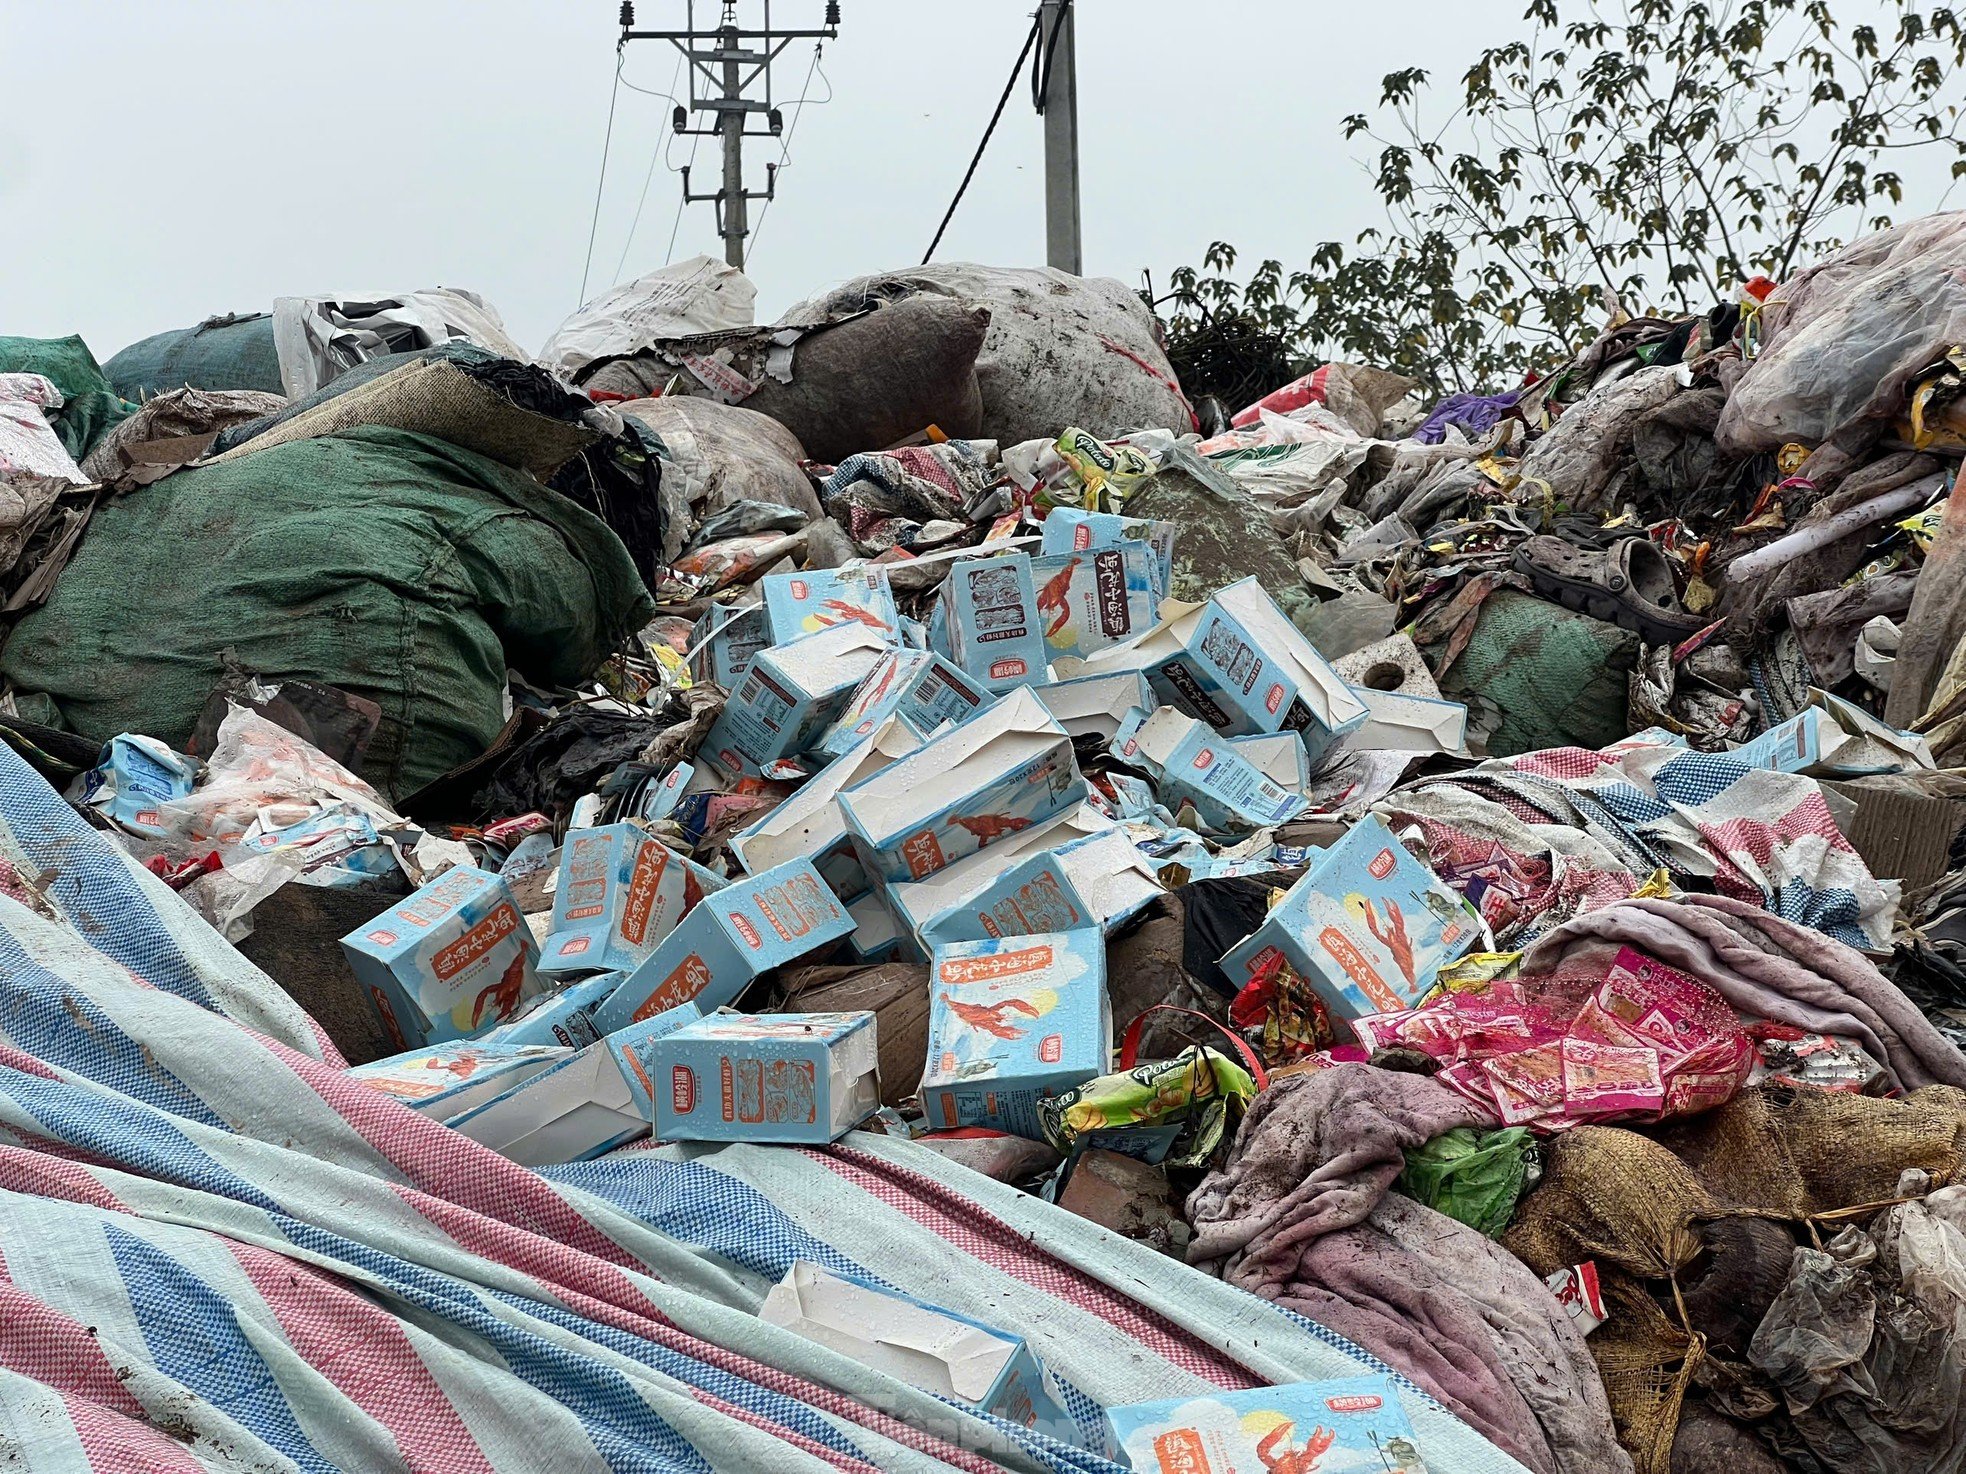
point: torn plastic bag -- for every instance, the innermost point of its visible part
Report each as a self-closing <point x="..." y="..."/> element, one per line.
<point x="28" y="443"/>
<point x="1843" y="341"/>
<point x="715" y="454"/>
<point x="318" y="338"/>
<point x="700" y="295"/>
<point x="841" y="383"/>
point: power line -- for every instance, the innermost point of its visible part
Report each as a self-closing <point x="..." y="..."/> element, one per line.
<point x="681" y="200"/>
<point x="785" y="143"/>
<point x="649" y="177"/>
<point x="977" y="158"/>
<point x="600" y="184"/>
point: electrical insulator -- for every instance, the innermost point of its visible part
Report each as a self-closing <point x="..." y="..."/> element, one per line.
<point x="628" y="14"/>
<point x="832" y="12"/>
<point x="680" y="118"/>
<point x="777" y="121"/>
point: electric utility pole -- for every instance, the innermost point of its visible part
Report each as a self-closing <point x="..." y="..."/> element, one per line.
<point x="725" y="61"/>
<point x="1055" y="90"/>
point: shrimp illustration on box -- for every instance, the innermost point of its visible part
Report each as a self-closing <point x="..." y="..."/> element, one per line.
<point x="1013" y="1020"/>
<point x="1054" y="600"/>
<point x="1275" y="1448"/>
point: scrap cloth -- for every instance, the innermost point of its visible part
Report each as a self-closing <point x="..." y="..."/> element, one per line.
<point x="218" y="1252"/>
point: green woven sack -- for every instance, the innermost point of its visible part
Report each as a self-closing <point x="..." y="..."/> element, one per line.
<point x="1558" y="679"/>
<point x="89" y="406"/>
<point x="393" y="565"/>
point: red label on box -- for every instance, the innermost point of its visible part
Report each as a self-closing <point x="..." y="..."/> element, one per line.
<point x="995" y="965"/>
<point x="1273" y="699"/>
<point x="1003" y="670"/>
<point x="682" y="1089"/>
<point x="1358" y="1402"/>
<point x="745" y="930"/>
<point x="388" y="1015"/>
<point x="1051" y="1048"/>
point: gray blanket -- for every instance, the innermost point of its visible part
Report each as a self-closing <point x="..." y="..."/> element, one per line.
<point x="1302" y="1216"/>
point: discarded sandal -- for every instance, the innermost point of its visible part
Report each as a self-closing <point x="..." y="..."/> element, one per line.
<point x="1629" y="585"/>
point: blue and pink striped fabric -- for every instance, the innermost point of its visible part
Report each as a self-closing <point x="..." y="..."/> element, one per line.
<point x="218" y="1252"/>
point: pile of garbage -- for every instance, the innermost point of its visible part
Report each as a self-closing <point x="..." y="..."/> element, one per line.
<point x="1483" y="875"/>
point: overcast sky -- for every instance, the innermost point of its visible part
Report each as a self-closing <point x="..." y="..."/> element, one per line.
<point x="167" y="160"/>
<point x="163" y="161"/>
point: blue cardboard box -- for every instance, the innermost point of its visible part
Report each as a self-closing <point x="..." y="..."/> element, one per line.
<point x="659" y="799"/>
<point x="1091" y="706"/>
<point x="1206" y="664"/>
<point x="1196" y="765"/>
<point x="1012" y="1021"/>
<point x="1092" y="600"/>
<point x="1071" y="530"/>
<point x="578" y="1109"/>
<point x="920" y="1344"/>
<point x="1325" y="708"/>
<point x="1114" y="879"/>
<point x="987" y="621"/>
<point x="810" y="825"/>
<point x="718" y="948"/>
<point x="1398" y="722"/>
<point x="728" y="636"/>
<point x="565" y="1018"/>
<point x="449" y="961"/>
<point x="1367" y="925"/>
<point x="799" y="604"/>
<point x="788" y="1077"/>
<point x="620" y="892"/>
<point x="790" y="695"/>
<point x="1278" y="756"/>
<point x="633" y="1048"/>
<point x="445" y="1080"/>
<point x="1349" y="1425"/>
<point x="1007" y="768"/>
<point x="918" y="688"/>
<point x="1032" y="896"/>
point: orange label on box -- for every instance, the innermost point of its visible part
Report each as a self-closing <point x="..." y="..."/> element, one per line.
<point x="1359" y="969"/>
<point x="692" y="976"/>
<point x="650" y="861"/>
<point x="923" y="854"/>
<point x="1382" y="865"/>
<point x="996" y="965"/>
<point x="1182" y="1452"/>
<point x="792" y="908"/>
<point x="475" y="943"/>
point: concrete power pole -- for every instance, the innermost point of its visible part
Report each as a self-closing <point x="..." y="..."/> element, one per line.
<point x="1056" y="91"/>
<point x="722" y="69"/>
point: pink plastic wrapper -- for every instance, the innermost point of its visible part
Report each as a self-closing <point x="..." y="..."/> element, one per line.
<point x="1294" y="395"/>
<point x="1646" y="1042"/>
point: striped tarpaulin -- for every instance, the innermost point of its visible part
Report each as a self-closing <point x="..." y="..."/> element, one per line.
<point x="218" y="1252"/>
